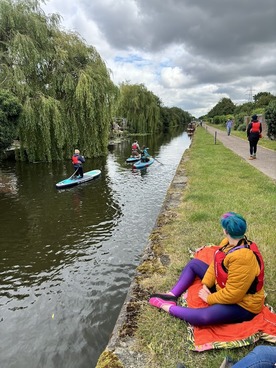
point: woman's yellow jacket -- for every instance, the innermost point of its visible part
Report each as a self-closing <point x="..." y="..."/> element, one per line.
<point x="243" y="267"/>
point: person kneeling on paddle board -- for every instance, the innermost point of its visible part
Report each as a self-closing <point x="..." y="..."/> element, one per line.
<point x="77" y="161"/>
<point x="145" y="155"/>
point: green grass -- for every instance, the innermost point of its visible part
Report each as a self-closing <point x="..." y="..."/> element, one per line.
<point x="264" y="142"/>
<point x="218" y="181"/>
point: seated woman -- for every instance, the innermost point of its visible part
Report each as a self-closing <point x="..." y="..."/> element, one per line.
<point x="232" y="285"/>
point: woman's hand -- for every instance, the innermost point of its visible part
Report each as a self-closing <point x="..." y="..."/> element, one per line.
<point x="203" y="293"/>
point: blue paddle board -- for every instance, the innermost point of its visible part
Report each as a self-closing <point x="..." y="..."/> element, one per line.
<point x="141" y="165"/>
<point x="72" y="181"/>
<point x="133" y="159"/>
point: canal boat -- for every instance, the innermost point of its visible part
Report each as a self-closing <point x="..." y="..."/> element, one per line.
<point x="72" y="181"/>
<point x="141" y="165"/>
<point x="132" y="159"/>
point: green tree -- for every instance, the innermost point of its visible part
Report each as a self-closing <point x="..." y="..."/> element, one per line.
<point x="173" y="117"/>
<point x="140" y="107"/>
<point x="245" y="108"/>
<point x="262" y="99"/>
<point x="10" y="110"/>
<point x="165" y="116"/>
<point x="224" y="107"/>
<point x="270" y="117"/>
<point x="63" y="84"/>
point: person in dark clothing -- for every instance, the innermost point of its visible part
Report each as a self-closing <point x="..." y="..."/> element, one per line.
<point x="254" y="131"/>
<point x="77" y="161"/>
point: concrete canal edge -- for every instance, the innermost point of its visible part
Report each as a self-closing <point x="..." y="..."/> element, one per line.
<point x="121" y="351"/>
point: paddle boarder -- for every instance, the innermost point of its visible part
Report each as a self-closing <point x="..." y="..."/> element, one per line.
<point x="77" y="161"/>
<point x="135" y="149"/>
<point x="145" y="156"/>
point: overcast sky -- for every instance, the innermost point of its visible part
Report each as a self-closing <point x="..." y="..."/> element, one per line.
<point x="190" y="53"/>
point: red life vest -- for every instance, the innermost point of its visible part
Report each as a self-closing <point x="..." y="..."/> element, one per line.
<point x="134" y="146"/>
<point x="222" y="273"/>
<point x="255" y="127"/>
<point x="75" y="160"/>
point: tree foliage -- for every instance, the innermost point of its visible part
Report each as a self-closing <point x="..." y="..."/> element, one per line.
<point x="224" y="107"/>
<point x="144" y="111"/>
<point x="63" y="84"/>
<point x="262" y="99"/>
<point x="174" y="117"/>
<point x="10" y="110"/>
<point x="270" y="116"/>
<point x="140" y="107"/>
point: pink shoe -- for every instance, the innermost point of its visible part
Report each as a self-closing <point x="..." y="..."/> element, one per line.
<point x="159" y="303"/>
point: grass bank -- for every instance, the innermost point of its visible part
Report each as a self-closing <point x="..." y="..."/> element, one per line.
<point x="218" y="181"/>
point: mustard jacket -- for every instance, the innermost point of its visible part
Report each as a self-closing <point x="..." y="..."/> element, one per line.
<point x="242" y="267"/>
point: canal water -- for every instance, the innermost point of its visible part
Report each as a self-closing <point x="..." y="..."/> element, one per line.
<point x="69" y="256"/>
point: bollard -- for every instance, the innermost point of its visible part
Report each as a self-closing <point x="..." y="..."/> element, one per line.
<point x="215" y="137"/>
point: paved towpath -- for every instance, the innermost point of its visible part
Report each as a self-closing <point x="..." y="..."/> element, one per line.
<point x="266" y="158"/>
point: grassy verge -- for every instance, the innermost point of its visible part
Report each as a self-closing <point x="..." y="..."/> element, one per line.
<point x="264" y="142"/>
<point x="218" y="181"/>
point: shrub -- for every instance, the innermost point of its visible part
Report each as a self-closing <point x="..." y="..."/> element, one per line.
<point x="270" y="117"/>
<point x="241" y="127"/>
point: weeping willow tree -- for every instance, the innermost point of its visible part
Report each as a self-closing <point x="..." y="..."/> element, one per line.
<point x="145" y="113"/>
<point x="62" y="83"/>
<point x="10" y="110"/>
<point x="140" y="107"/>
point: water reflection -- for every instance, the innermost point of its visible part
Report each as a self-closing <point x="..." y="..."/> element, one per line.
<point x="68" y="257"/>
<point x="46" y="230"/>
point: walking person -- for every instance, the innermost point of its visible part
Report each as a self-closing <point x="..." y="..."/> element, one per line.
<point x="232" y="285"/>
<point x="77" y="161"/>
<point x="254" y="131"/>
<point x="229" y="125"/>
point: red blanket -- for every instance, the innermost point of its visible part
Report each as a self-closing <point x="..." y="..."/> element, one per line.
<point x="263" y="326"/>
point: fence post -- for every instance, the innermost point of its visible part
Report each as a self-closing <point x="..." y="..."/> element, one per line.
<point x="215" y="137"/>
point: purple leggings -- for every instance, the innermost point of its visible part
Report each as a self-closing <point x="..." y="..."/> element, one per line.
<point x="214" y="314"/>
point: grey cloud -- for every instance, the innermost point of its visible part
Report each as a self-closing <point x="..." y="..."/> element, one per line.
<point x="213" y="28"/>
<point x="230" y="44"/>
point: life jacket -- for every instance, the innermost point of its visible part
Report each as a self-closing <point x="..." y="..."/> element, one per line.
<point x="222" y="273"/>
<point x="255" y="127"/>
<point x="75" y="160"/>
<point x="134" y="146"/>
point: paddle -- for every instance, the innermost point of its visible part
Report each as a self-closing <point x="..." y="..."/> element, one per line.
<point x="73" y="174"/>
<point x="157" y="161"/>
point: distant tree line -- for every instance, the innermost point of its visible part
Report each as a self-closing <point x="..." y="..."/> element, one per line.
<point x="63" y="91"/>
<point x="264" y="103"/>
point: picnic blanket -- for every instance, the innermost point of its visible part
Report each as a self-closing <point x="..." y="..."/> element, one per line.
<point x="263" y="326"/>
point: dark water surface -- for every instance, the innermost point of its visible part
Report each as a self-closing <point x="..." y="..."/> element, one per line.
<point x="68" y="257"/>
